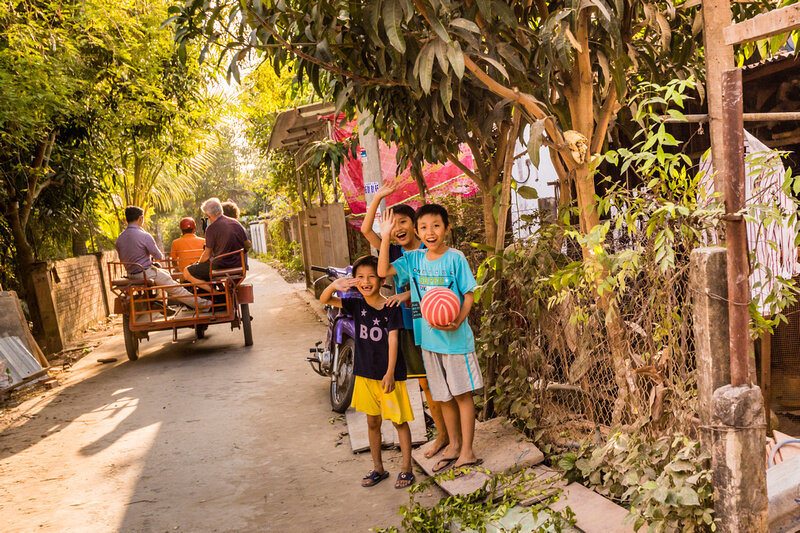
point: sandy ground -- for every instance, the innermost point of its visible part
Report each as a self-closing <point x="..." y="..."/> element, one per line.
<point x="195" y="436"/>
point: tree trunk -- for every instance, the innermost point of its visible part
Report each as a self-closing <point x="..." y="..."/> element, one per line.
<point x="79" y="242"/>
<point x="489" y="222"/>
<point x="25" y="259"/>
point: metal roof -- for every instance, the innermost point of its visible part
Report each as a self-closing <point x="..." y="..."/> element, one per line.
<point x="19" y="361"/>
<point x="296" y="127"/>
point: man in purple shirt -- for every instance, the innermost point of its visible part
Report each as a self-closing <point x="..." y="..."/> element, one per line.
<point x="135" y="245"/>
<point x="223" y="235"/>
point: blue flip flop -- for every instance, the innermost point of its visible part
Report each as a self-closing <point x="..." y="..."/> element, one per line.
<point x="373" y="478"/>
<point x="405" y="476"/>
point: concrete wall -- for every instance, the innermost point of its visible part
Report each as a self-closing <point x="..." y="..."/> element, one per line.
<point x="79" y="292"/>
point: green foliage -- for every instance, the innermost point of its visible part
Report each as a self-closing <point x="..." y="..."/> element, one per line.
<point x="491" y="502"/>
<point x="96" y="110"/>
<point x="666" y="482"/>
<point x="287" y="253"/>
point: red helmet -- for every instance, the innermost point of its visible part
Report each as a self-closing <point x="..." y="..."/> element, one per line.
<point x="188" y="223"/>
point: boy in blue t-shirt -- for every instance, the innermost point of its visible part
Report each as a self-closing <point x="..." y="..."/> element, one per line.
<point x="448" y="351"/>
<point x="380" y="387"/>
<point x="407" y="241"/>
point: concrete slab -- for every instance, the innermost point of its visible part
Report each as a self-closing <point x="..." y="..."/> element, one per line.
<point x="499" y="444"/>
<point x="783" y="487"/>
<point x="593" y="512"/>
<point x="357" y="423"/>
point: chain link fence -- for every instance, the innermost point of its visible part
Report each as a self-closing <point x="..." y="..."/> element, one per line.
<point x="549" y="338"/>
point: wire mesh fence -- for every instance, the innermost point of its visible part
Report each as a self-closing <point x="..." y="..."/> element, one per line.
<point x="573" y="357"/>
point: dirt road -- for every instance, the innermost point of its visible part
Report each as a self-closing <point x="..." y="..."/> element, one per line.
<point x="195" y="436"/>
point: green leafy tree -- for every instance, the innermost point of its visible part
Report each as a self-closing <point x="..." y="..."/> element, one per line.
<point x="92" y="92"/>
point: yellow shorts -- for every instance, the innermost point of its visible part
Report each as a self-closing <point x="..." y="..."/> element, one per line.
<point x="369" y="398"/>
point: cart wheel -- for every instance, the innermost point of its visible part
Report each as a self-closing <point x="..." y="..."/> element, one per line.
<point x="246" y="325"/>
<point x="131" y="342"/>
<point x="200" y="330"/>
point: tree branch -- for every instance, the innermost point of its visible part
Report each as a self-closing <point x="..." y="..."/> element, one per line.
<point x="470" y="174"/>
<point x="528" y="102"/>
<point x="327" y="66"/>
<point x="503" y="145"/>
<point x="505" y="194"/>
<point x="480" y="162"/>
<point x="603" y="119"/>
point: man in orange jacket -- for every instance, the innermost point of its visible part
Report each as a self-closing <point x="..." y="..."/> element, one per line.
<point x="188" y="248"/>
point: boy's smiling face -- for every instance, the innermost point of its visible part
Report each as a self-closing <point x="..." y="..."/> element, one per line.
<point x="369" y="284"/>
<point x="403" y="231"/>
<point x="432" y="231"/>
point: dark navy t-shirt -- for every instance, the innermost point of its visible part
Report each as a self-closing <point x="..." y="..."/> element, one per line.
<point x="372" y="339"/>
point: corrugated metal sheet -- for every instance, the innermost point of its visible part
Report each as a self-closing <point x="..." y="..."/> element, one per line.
<point x="18" y="359"/>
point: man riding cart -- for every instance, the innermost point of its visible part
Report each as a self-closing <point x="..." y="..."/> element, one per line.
<point x="150" y="298"/>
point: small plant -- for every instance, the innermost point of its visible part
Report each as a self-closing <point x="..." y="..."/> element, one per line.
<point x="491" y="502"/>
<point x="665" y="482"/>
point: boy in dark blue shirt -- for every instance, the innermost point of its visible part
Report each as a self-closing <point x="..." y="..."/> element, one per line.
<point x="380" y="387"/>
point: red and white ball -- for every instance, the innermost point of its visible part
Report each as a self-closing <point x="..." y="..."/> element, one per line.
<point x="440" y="306"/>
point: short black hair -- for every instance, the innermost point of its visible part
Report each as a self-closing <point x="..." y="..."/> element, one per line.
<point x="366" y="260"/>
<point x="433" y="209"/>
<point x="133" y="213"/>
<point x="406" y="211"/>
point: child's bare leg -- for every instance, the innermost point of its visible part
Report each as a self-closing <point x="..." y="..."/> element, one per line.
<point x="453" y="424"/>
<point x="404" y="432"/>
<point x="374" y="432"/>
<point x="466" y="411"/>
<point x="438" y="421"/>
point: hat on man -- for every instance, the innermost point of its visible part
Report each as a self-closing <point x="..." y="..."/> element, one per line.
<point x="188" y="224"/>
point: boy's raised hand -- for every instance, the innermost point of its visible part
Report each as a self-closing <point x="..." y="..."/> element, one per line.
<point x="387" y="383"/>
<point x="385" y="191"/>
<point x="342" y="284"/>
<point x="387" y="223"/>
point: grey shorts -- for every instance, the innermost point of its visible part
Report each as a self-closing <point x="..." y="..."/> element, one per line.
<point x="450" y="375"/>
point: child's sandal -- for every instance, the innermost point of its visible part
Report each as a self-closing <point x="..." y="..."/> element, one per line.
<point x="373" y="478"/>
<point x="404" y="480"/>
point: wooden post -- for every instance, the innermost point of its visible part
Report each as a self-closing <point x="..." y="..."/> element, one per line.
<point x="719" y="57"/>
<point x="766" y="376"/>
<point x="320" y="192"/>
<point x="50" y="324"/>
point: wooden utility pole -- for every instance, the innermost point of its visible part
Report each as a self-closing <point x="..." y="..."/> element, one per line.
<point x="719" y="57"/>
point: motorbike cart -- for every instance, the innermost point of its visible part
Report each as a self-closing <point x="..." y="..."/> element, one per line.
<point x="335" y="358"/>
<point x="146" y="306"/>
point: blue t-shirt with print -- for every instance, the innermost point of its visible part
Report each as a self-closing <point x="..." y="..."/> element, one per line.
<point x="402" y="285"/>
<point x="451" y="271"/>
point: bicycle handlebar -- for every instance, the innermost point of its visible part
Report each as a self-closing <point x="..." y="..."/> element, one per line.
<point x="319" y="269"/>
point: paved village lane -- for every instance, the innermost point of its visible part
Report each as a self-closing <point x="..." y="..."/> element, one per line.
<point x="195" y="436"/>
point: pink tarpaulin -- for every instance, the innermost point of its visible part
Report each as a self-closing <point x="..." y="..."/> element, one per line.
<point x="440" y="178"/>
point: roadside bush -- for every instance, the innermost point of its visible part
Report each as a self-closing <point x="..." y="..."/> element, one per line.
<point x="282" y="250"/>
<point x="666" y="482"/>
